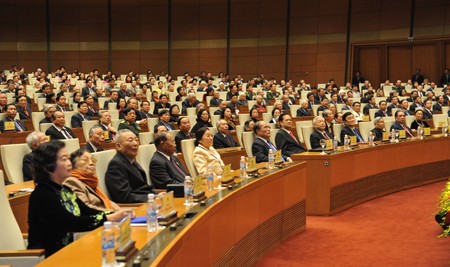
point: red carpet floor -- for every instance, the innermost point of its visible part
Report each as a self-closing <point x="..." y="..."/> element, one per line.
<point x="394" y="230"/>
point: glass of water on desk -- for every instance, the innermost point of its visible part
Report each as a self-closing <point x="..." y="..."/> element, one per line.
<point x="323" y="143"/>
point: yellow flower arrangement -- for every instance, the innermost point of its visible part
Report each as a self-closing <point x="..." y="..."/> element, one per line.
<point x="444" y="208"/>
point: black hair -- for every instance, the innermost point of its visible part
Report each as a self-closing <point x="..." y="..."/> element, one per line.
<point x="199" y="114"/>
<point x="346" y="114"/>
<point x="222" y="114"/>
<point x="44" y="160"/>
<point x="199" y="135"/>
<point x="76" y="154"/>
<point x="81" y="103"/>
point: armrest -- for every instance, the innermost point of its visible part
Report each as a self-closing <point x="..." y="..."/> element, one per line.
<point x="22" y="253"/>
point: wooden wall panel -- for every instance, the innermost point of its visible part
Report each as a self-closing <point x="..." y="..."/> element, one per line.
<point x="447" y="55"/>
<point x="370" y="64"/>
<point x="399" y="63"/>
<point x="425" y="57"/>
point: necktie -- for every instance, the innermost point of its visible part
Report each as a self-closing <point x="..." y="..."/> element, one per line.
<point x="173" y="161"/>
<point x="188" y="136"/>
<point x="271" y="146"/>
<point x="66" y="133"/>
<point x="358" y="136"/>
<point x="293" y="136"/>
<point x="406" y="130"/>
<point x="18" y="126"/>
<point x="325" y="135"/>
<point x="26" y="112"/>
<point x="228" y="139"/>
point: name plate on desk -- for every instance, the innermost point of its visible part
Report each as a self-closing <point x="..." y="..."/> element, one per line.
<point x="353" y="140"/>
<point x="125" y="233"/>
<point x="442" y="124"/>
<point x="278" y="156"/>
<point x="386" y="136"/>
<point x="167" y="205"/>
<point x="366" y="118"/>
<point x="226" y="172"/>
<point x="198" y="185"/>
<point x="329" y="144"/>
<point x="252" y="165"/>
<point x="427" y="131"/>
<point x="402" y="134"/>
<point x="9" y="126"/>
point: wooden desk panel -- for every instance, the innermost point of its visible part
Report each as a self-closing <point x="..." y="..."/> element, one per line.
<point x="342" y="180"/>
<point x="19" y="203"/>
<point x="235" y="227"/>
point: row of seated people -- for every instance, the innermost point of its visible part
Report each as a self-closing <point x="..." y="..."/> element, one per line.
<point x="126" y="180"/>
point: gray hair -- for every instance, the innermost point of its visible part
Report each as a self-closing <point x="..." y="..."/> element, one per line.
<point x="121" y="132"/>
<point x="32" y="138"/>
<point x="191" y="95"/>
<point x="377" y="119"/>
<point x="93" y="128"/>
<point x="314" y="120"/>
<point x="219" y="121"/>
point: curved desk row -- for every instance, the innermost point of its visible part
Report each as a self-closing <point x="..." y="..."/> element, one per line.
<point x="234" y="228"/>
<point x="341" y="180"/>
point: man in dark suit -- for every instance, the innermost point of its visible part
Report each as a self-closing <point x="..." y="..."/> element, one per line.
<point x="417" y="77"/>
<point x="417" y="104"/>
<point x="105" y="123"/>
<point x="9" y="123"/>
<point x="125" y="179"/>
<point x="329" y="120"/>
<point x="438" y="106"/>
<point x="303" y="110"/>
<point x="88" y="89"/>
<point x="222" y="138"/>
<point x="234" y="106"/>
<point x="349" y="127"/>
<point x="285" y="139"/>
<point x="215" y="100"/>
<point x="23" y="108"/>
<point x="262" y="144"/>
<point x="96" y="139"/>
<point x="371" y="105"/>
<point x="382" y="112"/>
<point x="145" y="110"/>
<point x="185" y="127"/>
<point x="445" y="78"/>
<point x="58" y="130"/>
<point x="124" y="92"/>
<point x="427" y="113"/>
<point x="319" y="133"/>
<point x="190" y="102"/>
<point x="163" y="103"/>
<point x="61" y="104"/>
<point x="399" y="124"/>
<point x="394" y="104"/>
<point x="33" y="140"/>
<point x="165" y="167"/>
<point x="77" y="119"/>
<point x="112" y="99"/>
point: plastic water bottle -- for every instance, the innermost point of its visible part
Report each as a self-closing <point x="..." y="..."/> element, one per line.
<point x="152" y="220"/>
<point x="420" y="132"/>
<point x="108" y="245"/>
<point x="243" y="167"/>
<point x="271" y="159"/>
<point x="188" y="191"/>
<point x="346" y="142"/>
<point x="210" y="178"/>
<point x="371" y="139"/>
<point x="335" y="144"/>
<point x="444" y="130"/>
<point x="393" y="136"/>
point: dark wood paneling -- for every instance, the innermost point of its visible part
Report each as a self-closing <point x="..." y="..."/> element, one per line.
<point x="399" y="63"/>
<point x="447" y="55"/>
<point x="370" y="64"/>
<point x="425" y="58"/>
